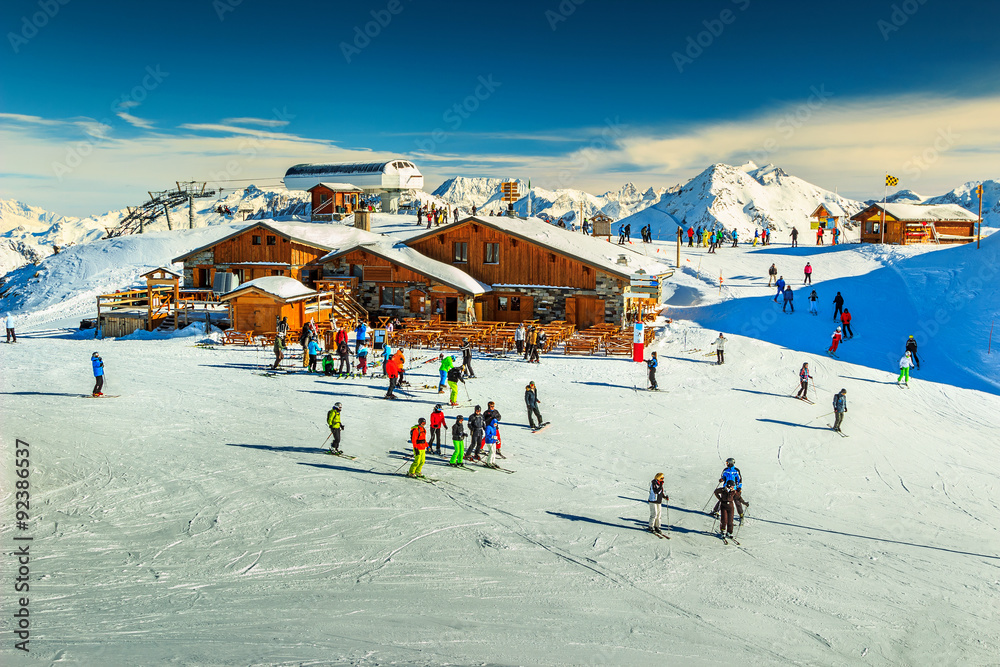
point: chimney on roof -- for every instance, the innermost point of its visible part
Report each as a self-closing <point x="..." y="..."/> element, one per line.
<point x="623" y="260"/>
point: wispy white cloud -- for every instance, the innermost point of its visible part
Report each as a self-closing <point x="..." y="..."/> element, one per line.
<point x="266" y="122"/>
<point x="135" y="121"/>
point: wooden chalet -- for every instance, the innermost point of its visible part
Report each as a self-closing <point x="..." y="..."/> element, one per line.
<point x="395" y="280"/>
<point x="827" y="215"/>
<point x="256" y="307"/>
<point x="333" y="201"/>
<point x="916" y="223"/>
<point x="537" y="271"/>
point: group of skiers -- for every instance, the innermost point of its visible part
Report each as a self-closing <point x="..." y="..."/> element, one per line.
<point x="713" y="238"/>
<point x="529" y="341"/>
<point x="728" y="494"/>
<point x="785" y="290"/>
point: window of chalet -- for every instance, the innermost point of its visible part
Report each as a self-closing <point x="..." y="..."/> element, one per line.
<point x="323" y="198"/>
<point x="492" y="253"/>
<point x="391" y="296"/>
<point x="515" y="304"/>
<point x="502" y="303"/>
<point x="203" y="278"/>
<point x="552" y="258"/>
<point x="277" y="272"/>
<point x="256" y="239"/>
<point x="461" y="252"/>
<point x="272" y="240"/>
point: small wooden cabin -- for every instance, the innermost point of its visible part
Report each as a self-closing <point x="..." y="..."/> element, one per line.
<point x="258" y="305"/>
<point x="601" y="225"/>
<point x="827" y="215"/>
<point x="916" y="223"/>
<point x="332" y="201"/>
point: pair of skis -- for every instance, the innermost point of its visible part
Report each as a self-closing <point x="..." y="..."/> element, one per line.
<point x="659" y="534"/>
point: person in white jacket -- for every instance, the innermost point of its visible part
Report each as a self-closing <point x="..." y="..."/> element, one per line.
<point x="656" y="498"/>
<point x="905" y="364"/>
<point x="9" y="323"/>
<point x="519" y="339"/>
<point x="720" y="349"/>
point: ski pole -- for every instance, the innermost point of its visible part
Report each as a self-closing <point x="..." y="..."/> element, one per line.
<point x="709" y="500"/>
<point x="401" y="467"/>
<point x="327" y="438"/>
<point x="467" y="392"/>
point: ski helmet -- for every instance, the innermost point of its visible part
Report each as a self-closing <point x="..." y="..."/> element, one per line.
<point x="838" y="328"/>
<point x="421" y="421"/>
<point x="337" y="406"/>
<point x="437" y="407"/>
<point x="478" y="408"/>
<point x="95" y="354"/>
<point x="730" y="462"/>
<point x="465" y="340"/>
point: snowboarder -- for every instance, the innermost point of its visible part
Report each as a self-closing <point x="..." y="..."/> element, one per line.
<point x="838" y="302"/>
<point x="808" y="273"/>
<point x="813" y="298"/>
<point x="279" y="354"/>
<point x="772" y="275"/>
<point x="720" y="350"/>
<point x="467" y="359"/>
<point x="795" y="237"/>
<point x="726" y="496"/>
<point x="447" y="362"/>
<point x="836" y="338"/>
<point x="519" y="339"/>
<point x="363" y="360"/>
<point x="804" y="378"/>
<point x="492" y="442"/>
<point x="911" y="347"/>
<point x="458" y="441"/>
<point x="418" y="438"/>
<point x="651" y="364"/>
<point x="314" y="351"/>
<point x="845" y="321"/>
<point x="98" y="363"/>
<point x="477" y="427"/>
<point x="531" y="401"/>
<point x="454" y="377"/>
<point x="656" y="498"/>
<point x="788" y="299"/>
<point x="9" y="324"/>
<point x="781" y="288"/>
<point x="336" y="426"/>
<point x="437" y="423"/>
<point x="905" y="363"/>
<point x="839" y="409"/>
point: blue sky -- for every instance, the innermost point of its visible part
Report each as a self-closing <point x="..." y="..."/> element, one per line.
<point x="103" y="101"/>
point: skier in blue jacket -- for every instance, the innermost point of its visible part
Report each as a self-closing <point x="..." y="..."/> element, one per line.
<point x="781" y="288"/>
<point x="362" y="335"/>
<point x="492" y="441"/>
<point x="98" y="364"/>
<point x="652" y="363"/>
<point x="732" y="474"/>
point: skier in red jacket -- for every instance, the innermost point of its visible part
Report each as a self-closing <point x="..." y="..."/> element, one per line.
<point x="437" y="425"/>
<point x="837" y="337"/>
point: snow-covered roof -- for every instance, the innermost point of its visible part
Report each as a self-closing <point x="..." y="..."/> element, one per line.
<point x="596" y="252"/>
<point x="832" y="208"/>
<point x="337" y="187"/>
<point x="414" y="261"/>
<point x="283" y="287"/>
<point x="923" y="212"/>
<point x="163" y="270"/>
<point x="327" y="236"/>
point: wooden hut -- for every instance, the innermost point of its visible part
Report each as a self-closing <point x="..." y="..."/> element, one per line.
<point x="828" y="215"/>
<point x="124" y="312"/>
<point x="916" y="223"/>
<point x="332" y="201"/>
<point x="257" y="306"/>
<point x="601" y="225"/>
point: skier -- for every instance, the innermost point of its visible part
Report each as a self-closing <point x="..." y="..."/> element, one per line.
<point x="437" y="423"/>
<point x="458" y="441"/>
<point x="447" y="362"/>
<point x="839" y="408"/>
<point x="9" y="324"/>
<point x="836" y="235"/>
<point x="328" y="365"/>
<point x="809" y="274"/>
<point x="98" y="363"/>
<point x="736" y="238"/>
<point x="531" y="401"/>
<point x="539" y="345"/>
<point x="781" y="288"/>
<point x="341" y="334"/>
<point x="400" y="360"/>
<point x="492" y="442"/>
<point x="804" y="378"/>
<point x="732" y="474"/>
<point x="454" y="377"/>
<point x="336" y="426"/>
<point x="279" y="354"/>
<point x="712" y="241"/>
<point x="493" y="414"/>
<point x="361" y="333"/>
<point x="726" y="496"/>
<point x="314" y="351"/>
<point x="467" y="359"/>
<point x="772" y="275"/>
<point x="477" y="426"/>
<point x="304" y="339"/>
<point x="836" y="338"/>
<point x="813" y="298"/>
<point x="651" y="364"/>
<point x="690" y="234"/>
<point x="838" y="302"/>
<point x="720" y="350"/>
<point x="788" y="299"/>
<point x="656" y="498"/>
<point x="845" y="321"/>
<point x="766" y="236"/>
<point x="363" y="360"/>
<point x="392" y="372"/>
<point x="531" y="339"/>
<point x="519" y="339"/>
<point x="911" y="347"/>
<point x="819" y="236"/>
<point x="756" y="237"/>
<point x="418" y="438"/>
<point x="795" y="237"/>
<point x="905" y="363"/>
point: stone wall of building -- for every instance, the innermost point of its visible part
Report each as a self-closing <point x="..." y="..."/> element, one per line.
<point x="550" y="302"/>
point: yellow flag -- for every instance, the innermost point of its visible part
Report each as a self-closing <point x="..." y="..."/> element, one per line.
<point x="891" y="181"/>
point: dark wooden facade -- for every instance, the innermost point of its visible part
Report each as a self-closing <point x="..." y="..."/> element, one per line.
<point x="911" y="231"/>
<point x="327" y="201"/>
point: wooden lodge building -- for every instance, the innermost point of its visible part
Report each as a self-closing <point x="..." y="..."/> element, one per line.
<point x="333" y="201"/>
<point x="478" y="269"/>
<point x="916" y="223"/>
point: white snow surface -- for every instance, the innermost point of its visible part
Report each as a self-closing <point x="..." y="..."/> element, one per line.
<point x="195" y="519"/>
